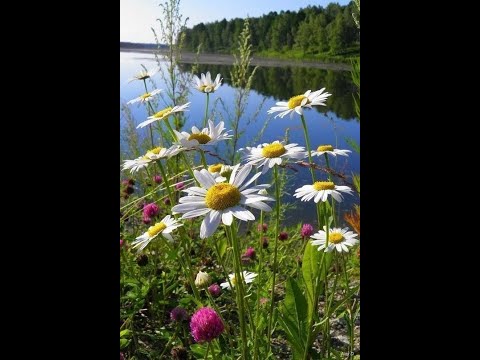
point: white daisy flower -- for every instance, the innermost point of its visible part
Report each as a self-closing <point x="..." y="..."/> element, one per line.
<point x="144" y="74"/>
<point x="337" y="239"/>
<point x="220" y="172"/>
<point x="205" y="84"/>
<point x="164" y="228"/>
<point x="136" y="164"/>
<point x="247" y="276"/>
<point x="221" y="201"/>
<point x="297" y="103"/>
<point x="151" y="155"/>
<point x="145" y="97"/>
<point x="320" y="191"/>
<point x="163" y="114"/>
<point x="328" y="149"/>
<point x="163" y="153"/>
<point x="197" y="139"/>
<point x="268" y="155"/>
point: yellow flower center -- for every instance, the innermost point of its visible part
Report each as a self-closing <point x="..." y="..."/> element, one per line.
<point x="323" y="185"/>
<point x="273" y="150"/>
<point x="206" y="88"/>
<point x="155" y="229"/>
<point x="215" y="168"/>
<point x="161" y="114"/>
<point x="146" y="95"/>
<point x="296" y="101"/>
<point x="155" y="151"/>
<point x="335" y="238"/>
<point x="201" y="138"/>
<point x="233" y="280"/>
<point x="325" y="148"/>
<point x="222" y="196"/>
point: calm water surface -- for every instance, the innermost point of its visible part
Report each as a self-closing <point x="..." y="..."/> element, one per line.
<point x="332" y="124"/>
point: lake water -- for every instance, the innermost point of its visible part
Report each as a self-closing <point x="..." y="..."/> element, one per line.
<point x="332" y="124"/>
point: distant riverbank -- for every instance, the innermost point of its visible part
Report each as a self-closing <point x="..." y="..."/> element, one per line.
<point x="225" y="59"/>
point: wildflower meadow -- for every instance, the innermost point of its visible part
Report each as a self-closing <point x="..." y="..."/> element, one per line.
<point x="209" y="269"/>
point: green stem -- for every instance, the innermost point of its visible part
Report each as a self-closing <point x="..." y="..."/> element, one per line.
<point x="310" y="162"/>
<point x="238" y="290"/>
<point x="259" y="277"/>
<point x="150" y="125"/>
<point x="217" y="250"/>
<point x="206" y="112"/>
<point x="169" y="342"/>
<point x="314" y="311"/>
<point x="208" y="348"/>
<point x="184" y="157"/>
<point x="352" y="320"/>
<point x="167" y="183"/>
<point x="331" y="179"/>
<point x="316" y="295"/>
<point x="204" y="160"/>
<point x="326" y="332"/>
<point x="187" y="269"/>
<point x="214" y="357"/>
<point x="277" y="225"/>
<point x="307" y="141"/>
<point x="170" y="129"/>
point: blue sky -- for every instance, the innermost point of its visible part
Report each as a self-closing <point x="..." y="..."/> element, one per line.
<point x="138" y="16"/>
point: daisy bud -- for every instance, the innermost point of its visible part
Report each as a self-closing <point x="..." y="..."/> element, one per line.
<point x="202" y="280"/>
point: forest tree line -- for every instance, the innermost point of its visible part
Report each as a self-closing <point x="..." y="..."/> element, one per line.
<point x="312" y="30"/>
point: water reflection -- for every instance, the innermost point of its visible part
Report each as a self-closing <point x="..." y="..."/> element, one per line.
<point x="284" y="82"/>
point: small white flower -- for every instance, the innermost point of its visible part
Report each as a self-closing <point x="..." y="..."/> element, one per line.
<point x="202" y="280"/>
<point x="163" y="153"/>
<point x="136" y="164"/>
<point x="297" y="103"/>
<point x="163" y="114"/>
<point x="145" y="97"/>
<point x="198" y="139"/>
<point x="269" y="155"/>
<point x="220" y="172"/>
<point x="205" y="84"/>
<point x="164" y="228"/>
<point x="144" y="74"/>
<point x="151" y="155"/>
<point x="328" y="149"/>
<point x="247" y="276"/>
<point x="320" y="191"/>
<point x="222" y="201"/>
<point x="338" y="239"/>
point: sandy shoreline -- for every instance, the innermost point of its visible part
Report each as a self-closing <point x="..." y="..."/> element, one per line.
<point x="224" y="59"/>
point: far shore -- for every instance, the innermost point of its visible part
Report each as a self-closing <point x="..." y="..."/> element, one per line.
<point x="225" y="59"/>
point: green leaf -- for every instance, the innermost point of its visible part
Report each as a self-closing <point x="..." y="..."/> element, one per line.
<point x="124" y="343"/>
<point x="310" y="270"/>
<point x="222" y="246"/>
<point x="293" y="317"/>
<point x="350" y="141"/>
<point x="125" y="333"/>
<point x="198" y="349"/>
